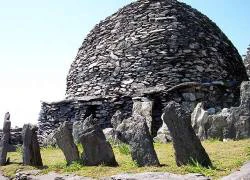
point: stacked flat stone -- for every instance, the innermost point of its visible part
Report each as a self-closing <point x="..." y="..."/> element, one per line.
<point x="15" y="136"/>
<point x="152" y="43"/>
<point x="55" y="113"/>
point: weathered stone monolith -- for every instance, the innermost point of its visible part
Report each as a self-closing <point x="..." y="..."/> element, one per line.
<point x="31" y="149"/>
<point x="188" y="148"/>
<point x="135" y="132"/>
<point x="97" y="150"/>
<point x="4" y="143"/>
<point x="143" y="107"/>
<point x="65" y="142"/>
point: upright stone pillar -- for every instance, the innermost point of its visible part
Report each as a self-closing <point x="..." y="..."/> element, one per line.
<point x="187" y="145"/>
<point x="97" y="150"/>
<point x="4" y="143"/>
<point x="143" y="106"/>
<point x="31" y="149"/>
<point x="65" y="142"/>
<point x="134" y="131"/>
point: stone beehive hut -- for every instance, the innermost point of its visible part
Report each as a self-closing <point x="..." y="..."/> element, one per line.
<point x="152" y="43"/>
<point x="155" y="49"/>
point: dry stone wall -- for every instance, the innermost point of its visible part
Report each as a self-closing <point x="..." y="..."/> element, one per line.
<point x="214" y="95"/>
<point x="15" y="136"/>
<point x="152" y="43"/>
<point x="52" y="115"/>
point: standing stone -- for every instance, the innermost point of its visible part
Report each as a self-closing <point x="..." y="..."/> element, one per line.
<point x="135" y="132"/>
<point x="31" y="149"/>
<point x="65" y="142"/>
<point x="187" y="146"/>
<point x="143" y="106"/>
<point x="97" y="150"/>
<point x="4" y="143"/>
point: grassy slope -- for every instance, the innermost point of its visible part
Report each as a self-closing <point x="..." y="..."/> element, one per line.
<point x="226" y="157"/>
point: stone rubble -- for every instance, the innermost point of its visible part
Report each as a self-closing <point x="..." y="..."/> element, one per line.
<point x="230" y="123"/>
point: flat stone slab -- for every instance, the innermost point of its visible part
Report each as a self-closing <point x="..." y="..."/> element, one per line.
<point x="50" y="176"/>
<point x="157" y="176"/>
<point x="242" y="174"/>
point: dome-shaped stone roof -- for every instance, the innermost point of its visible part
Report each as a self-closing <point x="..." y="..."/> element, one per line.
<point x="152" y="43"/>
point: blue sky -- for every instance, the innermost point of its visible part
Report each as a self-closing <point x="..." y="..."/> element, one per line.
<point x="39" y="40"/>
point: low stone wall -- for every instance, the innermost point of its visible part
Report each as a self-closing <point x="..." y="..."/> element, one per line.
<point x="53" y="114"/>
<point x="16" y="136"/>
<point x="215" y="95"/>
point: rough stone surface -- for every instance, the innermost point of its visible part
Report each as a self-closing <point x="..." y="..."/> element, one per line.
<point x="49" y="140"/>
<point x="97" y="150"/>
<point x="217" y="125"/>
<point x="199" y="119"/>
<point x="116" y="119"/>
<point x="150" y="44"/>
<point x="242" y="174"/>
<point x="15" y="136"/>
<point x="5" y="140"/>
<point x="158" y="176"/>
<point x="111" y="135"/>
<point x="140" y="176"/>
<point x="31" y="149"/>
<point x="143" y="107"/>
<point x="163" y="134"/>
<point x="55" y="113"/>
<point x="187" y="146"/>
<point x="33" y="175"/>
<point x="65" y="142"/>
<point x="160" y="50"/>
<point x="229" y="123"/>
<point x="135" y="132"/>
<point x="247" y="61"/>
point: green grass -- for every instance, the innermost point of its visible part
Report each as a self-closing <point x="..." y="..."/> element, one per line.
<point x="226" y="157"/>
